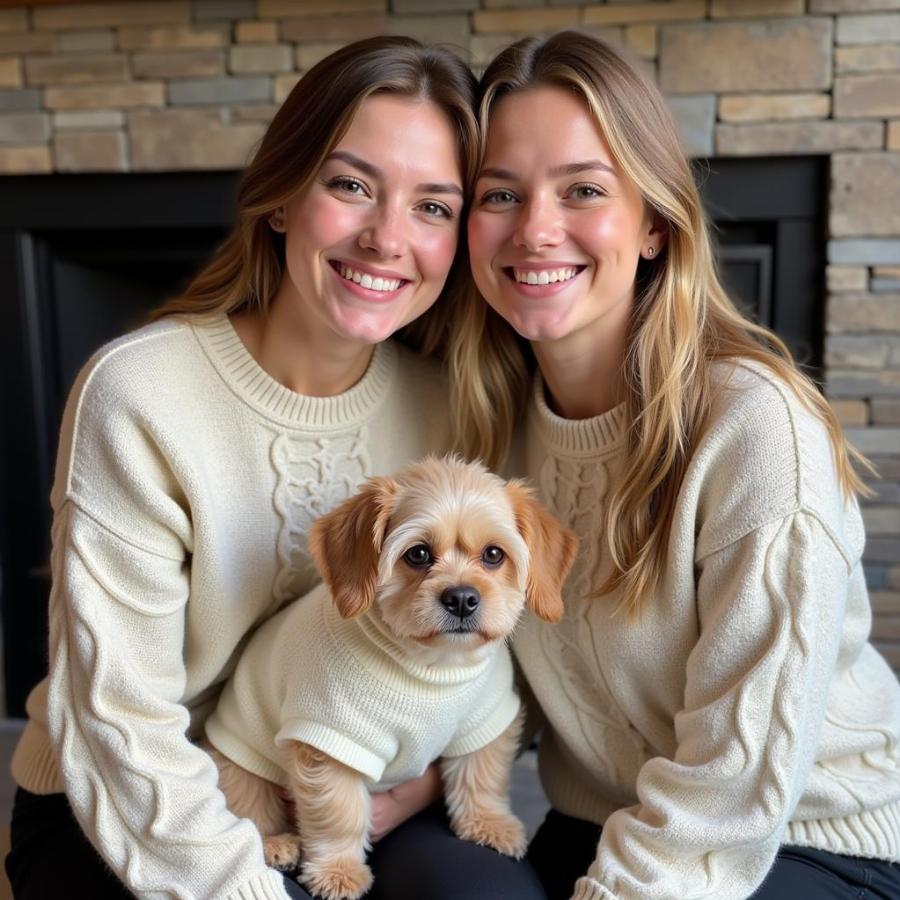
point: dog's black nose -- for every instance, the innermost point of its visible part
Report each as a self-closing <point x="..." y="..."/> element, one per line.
<point x="460" y="601"/>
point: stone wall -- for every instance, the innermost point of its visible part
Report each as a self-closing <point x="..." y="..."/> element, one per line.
<point x="189" y="84"/>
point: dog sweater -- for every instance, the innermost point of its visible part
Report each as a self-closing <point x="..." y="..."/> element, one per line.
<point x="744" y="707"/>
<point x="186" y="482"/>
<point x="346" y="688"/>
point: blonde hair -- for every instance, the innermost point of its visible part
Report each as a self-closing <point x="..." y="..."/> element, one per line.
<point x="682" y="322"/>
<point x="246" y="269"/>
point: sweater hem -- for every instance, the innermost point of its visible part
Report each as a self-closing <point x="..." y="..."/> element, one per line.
<point x="872" y="833"/>
<point x="588" y="889"/>
<point x="34" y="765"/>
<point x="267" y="886"/>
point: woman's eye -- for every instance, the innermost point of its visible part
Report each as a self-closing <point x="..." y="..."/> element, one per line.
<point x="348" y="185"/>
<point x="492" y="556"/>
<point x="585" y="192"/>
<point x="436" y="210"/>
<point x="498" y="198"/>
<point x="419" y="557"/>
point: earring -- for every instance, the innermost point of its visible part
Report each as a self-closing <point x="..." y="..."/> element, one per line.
<point x="276" y="221"/>
<point x="651" y="251"/>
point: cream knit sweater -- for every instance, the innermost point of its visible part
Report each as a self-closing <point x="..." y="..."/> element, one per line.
<point x="186" y="481"/>
<point x="346" y="688"/>
<point x="745" y="709"/>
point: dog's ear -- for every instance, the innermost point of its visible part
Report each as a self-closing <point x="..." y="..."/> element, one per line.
<point x="552" y="548"/>
<point x="346" y="544"/>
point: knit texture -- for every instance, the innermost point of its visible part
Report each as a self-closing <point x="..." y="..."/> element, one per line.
<point x="185" y="484"/>
<point x="347" y="689"/>
<point x="745" y="708"/>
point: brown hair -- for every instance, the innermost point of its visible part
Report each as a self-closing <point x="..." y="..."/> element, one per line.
<point x="246" y="269"/>
<point x="683" y="321"/>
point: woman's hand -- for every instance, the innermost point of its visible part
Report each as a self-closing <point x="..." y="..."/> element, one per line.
<point x="392" y="808"/>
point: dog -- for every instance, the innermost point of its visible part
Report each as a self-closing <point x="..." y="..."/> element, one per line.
<point x="397" y="659"/>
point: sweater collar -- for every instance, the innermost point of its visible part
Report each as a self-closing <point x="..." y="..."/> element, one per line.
<point x="259" y="390"/>
<point x="597" y="435"/>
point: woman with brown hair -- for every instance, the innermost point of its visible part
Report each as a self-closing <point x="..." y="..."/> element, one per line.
<point x="716" y="723"/>
<point x="196" y="451"/>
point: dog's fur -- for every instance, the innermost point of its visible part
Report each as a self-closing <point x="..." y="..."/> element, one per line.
<point x="456" y="510"/>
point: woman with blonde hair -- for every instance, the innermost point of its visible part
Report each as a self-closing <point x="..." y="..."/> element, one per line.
<point x="196" y="451"/>
<point x="716" y="723"/>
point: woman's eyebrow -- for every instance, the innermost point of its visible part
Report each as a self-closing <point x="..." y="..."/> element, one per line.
<point x="367" y="168"/>
<point x="574" y="168"/>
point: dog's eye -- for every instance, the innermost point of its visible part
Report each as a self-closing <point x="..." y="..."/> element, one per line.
<point x="419" y="557"/>
<point x="492" y="556"/>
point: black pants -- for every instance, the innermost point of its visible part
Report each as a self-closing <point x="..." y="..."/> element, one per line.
<point x="422" y="860"/>
<point x="564" y="847"/>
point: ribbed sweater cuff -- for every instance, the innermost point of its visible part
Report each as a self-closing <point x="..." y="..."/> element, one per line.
<point x="267" y="886"/>
<point x="588" y="889"/>
<point x="873" y="833"/>
<point x="34" y="765"/>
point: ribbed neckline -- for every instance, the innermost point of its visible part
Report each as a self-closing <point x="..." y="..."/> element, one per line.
<point x="364" y="637"/>
<point x="258" y="389"/>
<point x="579" y="437"/>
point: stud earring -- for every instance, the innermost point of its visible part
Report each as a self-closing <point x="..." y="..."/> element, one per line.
<point x="651" y="251"/>
<point x="276" y="221"/>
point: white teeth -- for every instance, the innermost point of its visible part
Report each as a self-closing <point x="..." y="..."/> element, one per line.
<point x="367" y="281"/>
<point x="545" y="276"/>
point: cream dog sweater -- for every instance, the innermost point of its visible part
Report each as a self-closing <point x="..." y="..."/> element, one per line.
<point x="186" y="481"/>
<point x="346" y="688"/>
<point x="745" y="709"/>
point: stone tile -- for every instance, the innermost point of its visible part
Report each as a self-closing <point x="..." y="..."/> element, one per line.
<point x="253" y="32"/>
<point x="883" y="520"/>
<point x="851" y="412"/>
<point x="24" y="128"/>
<point x="865" y="194"/>
<point x="886" y="272"/>
<point x="27" y="43"/>
<point x="436" y="6"/>
<point x="92" y="120"/>
<point x="627" y="14"/>
<point x="205" y="10"/>
<point x="90" y="151"/>
<point x="484" y="47"/>
<point x="25" y="160"/>
<point x="868" y="29"/>
<point x="774" y="107"/>
<point x="264" y="59"/>
<point x="147" y="93"/>
<point x="284" y="84"/>
<point x="86" y="41"/>
<point x="20" y="98"/>
<point x="849" y="351"/>
<point x="333" y="28"/>
<point x="872" y="252"/>
<point x="174" y="37"/>
<point x="309" y="54"/>
<point x="98" y="15"/>
<point x="867" y="96"/>
<point x="741" y="9"/>
<point x="847" y="383"/>
<point x="849" y="6"/>
<point x="254" y="112"/>
<point x="172" y="140"/>
<point x="642" y="40"/>
<point x="875" y="440"/>
<point x="888" y="468"/>
<point x="518" y="21"/>
<point x="885" y="285"/>
<point x="777" y="55"/>
<point x="884" y="491"/>
<point x="893" y="136"/>
<point x="866" y="59"/>
<point x="504" y="4"/>
<point x="450" y="30"/>
<point x="179" y="64"/>
<point x="846" y="278"/>
<point x="219" y="91"/>
<point x="79" y="68"/>
<point x="696" y="119"/>
<point x="10" y="72"/>
<point x="289" y="9"/>
<point x="798" y="138"/>
<point x="13" y="20"/>
<point x="863" y="312"/>
<point x="886" y="410"/>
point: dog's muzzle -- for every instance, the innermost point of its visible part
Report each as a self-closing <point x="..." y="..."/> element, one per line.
<point x="461" y="601"/>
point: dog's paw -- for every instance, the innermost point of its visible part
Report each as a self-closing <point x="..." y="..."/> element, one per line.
<point x="500" y="830"/>
<point x="282" y="851"/>
<point x="337" y="878"/>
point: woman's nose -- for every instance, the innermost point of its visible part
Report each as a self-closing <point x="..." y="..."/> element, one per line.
<point x="539" y="224"/>
<point x="385" y="233"/>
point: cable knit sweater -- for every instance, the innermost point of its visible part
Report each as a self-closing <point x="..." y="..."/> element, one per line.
<point x="745" y="709"/>
<point x="347" y="688"/>
<point x="186" y="481"/>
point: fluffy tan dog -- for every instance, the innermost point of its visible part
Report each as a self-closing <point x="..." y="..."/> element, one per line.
<point x="429" y="572"/>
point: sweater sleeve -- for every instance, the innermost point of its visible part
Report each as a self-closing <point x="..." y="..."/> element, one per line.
<point x="710" y="820"/>
<point x="144" y="795"/>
